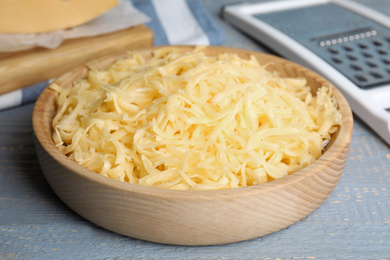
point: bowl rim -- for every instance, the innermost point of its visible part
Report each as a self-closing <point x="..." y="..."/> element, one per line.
<point x="338" y="145"/>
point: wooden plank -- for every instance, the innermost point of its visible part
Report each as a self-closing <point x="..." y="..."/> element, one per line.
<point x="21" y="69"/>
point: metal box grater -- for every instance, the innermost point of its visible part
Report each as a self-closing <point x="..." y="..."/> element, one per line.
<point x="347" y="43"/>
<point x="356" y="46"/>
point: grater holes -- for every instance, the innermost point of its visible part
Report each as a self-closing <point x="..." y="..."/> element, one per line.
<point x="356" y="67"/>
<point x="337" y="60"/>
<point x="377" y="43"/>
<point x="372" y="64"/>
<point x="376" y="75"/>
<point x="366" y="61"/>
<point x="361" y="78"/>
<point x="363" y="46"/>
<point x="348" y="48"/>
<point x="352" y="57"/>
<point x="333" y="50"/>
<point x="386" y="61"/>
<point x="367" y="55"/>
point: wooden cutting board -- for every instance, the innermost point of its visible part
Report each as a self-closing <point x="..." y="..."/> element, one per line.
<point x="21" y="69"/>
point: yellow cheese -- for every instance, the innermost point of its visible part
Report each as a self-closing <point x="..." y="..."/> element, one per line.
<point x="189" y="121"/>
<point x="37" y="16"/>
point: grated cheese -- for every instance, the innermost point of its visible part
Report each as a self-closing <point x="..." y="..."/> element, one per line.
<point x="189" y="121"/>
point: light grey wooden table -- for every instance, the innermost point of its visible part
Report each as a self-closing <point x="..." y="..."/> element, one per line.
<point x="353" y="223"/>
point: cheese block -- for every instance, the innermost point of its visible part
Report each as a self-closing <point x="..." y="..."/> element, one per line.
<point x="37" y="16"/>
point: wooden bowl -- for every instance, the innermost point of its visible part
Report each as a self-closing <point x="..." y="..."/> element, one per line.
<point x="192" y="217"/>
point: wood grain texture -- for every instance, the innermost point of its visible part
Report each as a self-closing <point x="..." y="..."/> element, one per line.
<point x="24" y="68"/>
<point x="192" y="217"/>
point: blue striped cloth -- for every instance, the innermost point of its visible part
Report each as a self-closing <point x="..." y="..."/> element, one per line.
<point x="181" y="22"/>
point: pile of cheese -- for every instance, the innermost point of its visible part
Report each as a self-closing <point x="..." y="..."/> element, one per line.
<point x="189" y="121"/>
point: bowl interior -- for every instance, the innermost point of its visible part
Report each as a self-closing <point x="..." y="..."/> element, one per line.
<point x="45" y="108"/>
